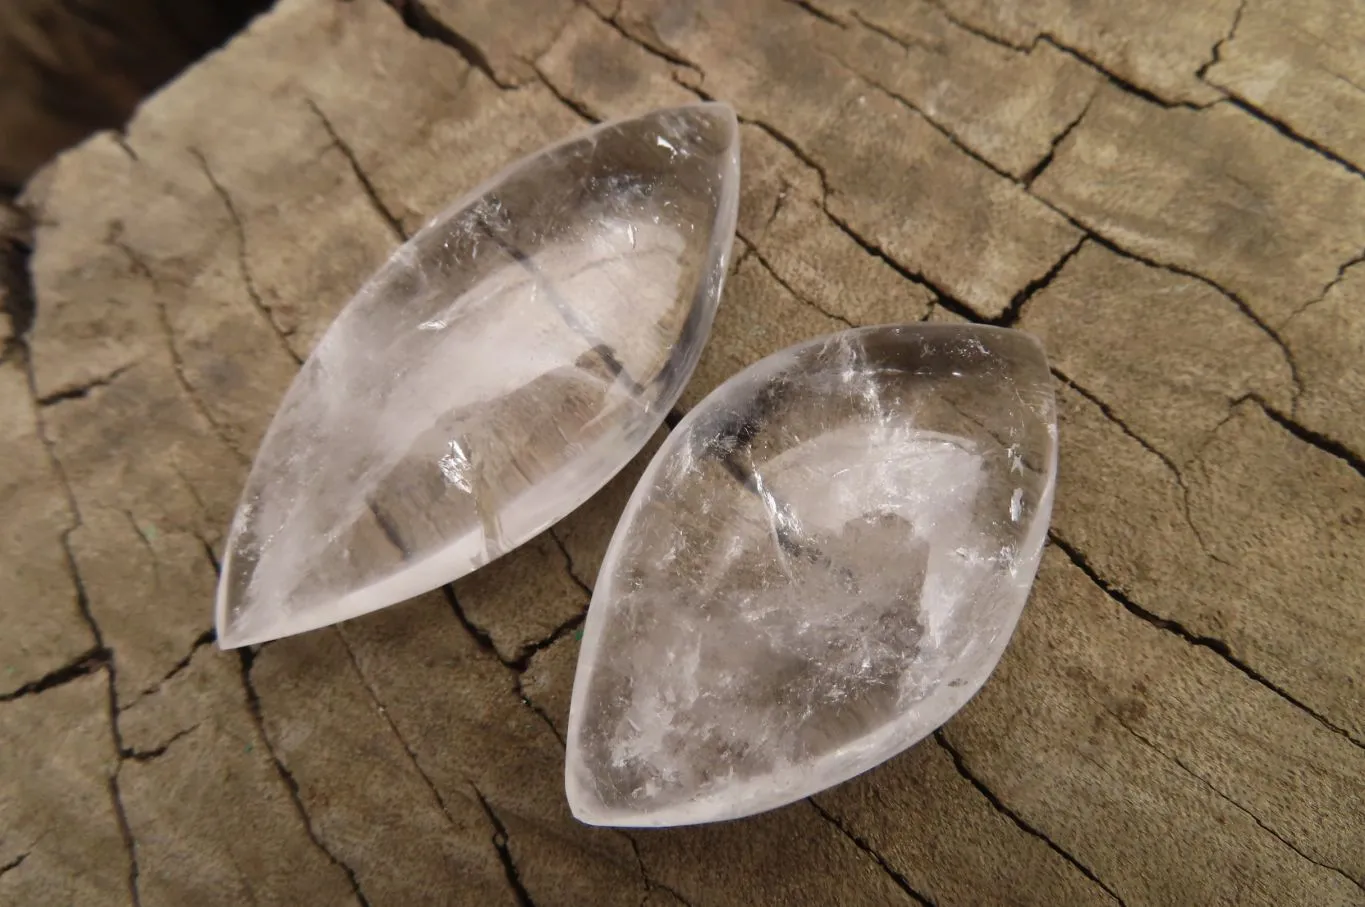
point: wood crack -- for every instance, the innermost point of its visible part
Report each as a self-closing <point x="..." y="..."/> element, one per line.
<point x="522" y="660"/>
<point x="83" y="665"/>
<point x="866" y="848"/>
<point x="1215" y="55"/>
<point x="14" y="864"/>
<point x="961" y="765"/>
<point x="1145" y="94"/>
<point x="1213" y="644"/>
<point x="650" y="883"/>
<point x="500" y="843"/>
<point x="1037" y="169"/>
<point x="247" y="656"/>
<point x="192" y="395"/>
<point x="811" y="9"/>
<point x="1169" y="463"/>
<point x="121" y="815"/>
<point x="141" y="267"/>
<point x="208" y="637"/>
<point x="1015" y="308"/>
<point x="1292" y="134"/>
<point x="938" y="127"/>
<point x="1328" y="287"/>
<point x="569" y="564"/>
<point x="1236" y="300"/>
<point x="578" y="109"/>
<point x="149" y="755"/>
<point x="83" y="390"/>
<point x="243" y="261"/>
<point x="1204" y="782"/>
<point x="398" y="735"/>
<point x="421" y="20"/>
<point x="767" y="266"/>
<point x="371" y="194"/>
<point x="1309" y="436"/>
<point x="661" y="53"/>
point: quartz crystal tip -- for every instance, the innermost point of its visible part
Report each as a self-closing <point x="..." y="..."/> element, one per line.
<point x="822" y="563"/>
<point x="497" y="371"/>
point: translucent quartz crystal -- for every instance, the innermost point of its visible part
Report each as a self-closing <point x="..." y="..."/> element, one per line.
<point x="503" y="365"/>
<point x="823" y="563"/>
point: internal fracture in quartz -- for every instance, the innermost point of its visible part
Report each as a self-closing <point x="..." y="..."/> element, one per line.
<point x="503" y="365"/>
<point x="822" y="563"/>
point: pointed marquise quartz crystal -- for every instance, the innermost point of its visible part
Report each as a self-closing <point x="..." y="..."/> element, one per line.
<point x="823" y="563"/>
<point x="503" y="365"/>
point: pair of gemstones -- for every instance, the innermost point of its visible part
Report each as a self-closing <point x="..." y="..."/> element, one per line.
<point x="822" y="563"/>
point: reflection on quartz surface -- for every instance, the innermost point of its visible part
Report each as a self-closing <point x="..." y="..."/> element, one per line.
<point x="823" y="562"/>
<point x="497" y="371"/>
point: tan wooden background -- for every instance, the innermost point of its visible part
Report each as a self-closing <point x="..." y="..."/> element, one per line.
<point x="1169" y="193"/>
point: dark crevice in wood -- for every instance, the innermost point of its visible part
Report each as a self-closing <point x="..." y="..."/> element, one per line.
<point x="799" y="297"/>
<point x="907" y="44"/>
<point x="1213" y="644"/>
<point x="482" y="638"/>
<point x="178" y="364"/>
<point x="531" y="704"/>
<point x="978" y="32"/>
<point x="121" y="140"/>
<point x="417" y="17"/>
<point x="569" y="564"/>
<point x="650" y="883"/>
<point x="247" y="656"/>
<point x="938" y="127"/>
<point x="1293" y="135"/>
<point x="522" y="660"/>
<point x="1216" y="54"/>
<point x="500" y="843"/>
<point x="83" y="665"/>
<point x="1328" y="287"/>
<point x="579" y="110"/>
<point x="942" y="297"/>
<point x="243" y="260"/>
<point x="1316" y="439"/>
<point x="208" y="637"/>
<point x="1205" y="783"/>
<point x="1193" y="275"/>
<point x="811" y="9"/>
<point x="1107" y="411"/>
<point x="1037" y="169"/>
<point x="527" y="652"/>
<point x="866" y="848"/>
<point x="402" y="741"/>
<point x="1118" y="81"/>
<point x="126" y="832"/>
<point x="653" y="50"/>
<point x="961" y="765"/>
<point x="149" y="755"/>
<point x="81" y="391"/>
<point x="371" y="194"/>
<point x="13" y="864"/>
<point x="1015" y="308"/>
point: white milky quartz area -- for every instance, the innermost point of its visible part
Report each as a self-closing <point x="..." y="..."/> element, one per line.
<point x="499" y="369"/>
<point x="823" y="562"/>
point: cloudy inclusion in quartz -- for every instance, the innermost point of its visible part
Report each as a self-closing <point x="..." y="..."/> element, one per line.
<point x="823" y="563"/>
<point x="496" y="372"/>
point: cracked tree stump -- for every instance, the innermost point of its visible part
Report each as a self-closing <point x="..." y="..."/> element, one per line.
<point x="1170" y="195"/>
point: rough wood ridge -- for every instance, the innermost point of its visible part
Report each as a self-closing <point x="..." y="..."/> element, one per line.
<point x="1172" y="195"/>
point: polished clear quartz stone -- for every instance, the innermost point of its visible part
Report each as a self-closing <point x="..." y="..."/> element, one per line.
<point x="822" y="563"/>
<point x="496" y="372"/>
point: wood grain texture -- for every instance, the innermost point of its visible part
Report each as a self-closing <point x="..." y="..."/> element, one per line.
<point x="1179" y="718"/>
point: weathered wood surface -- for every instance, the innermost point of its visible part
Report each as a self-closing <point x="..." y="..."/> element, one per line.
<point x="1171" y="194"/>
